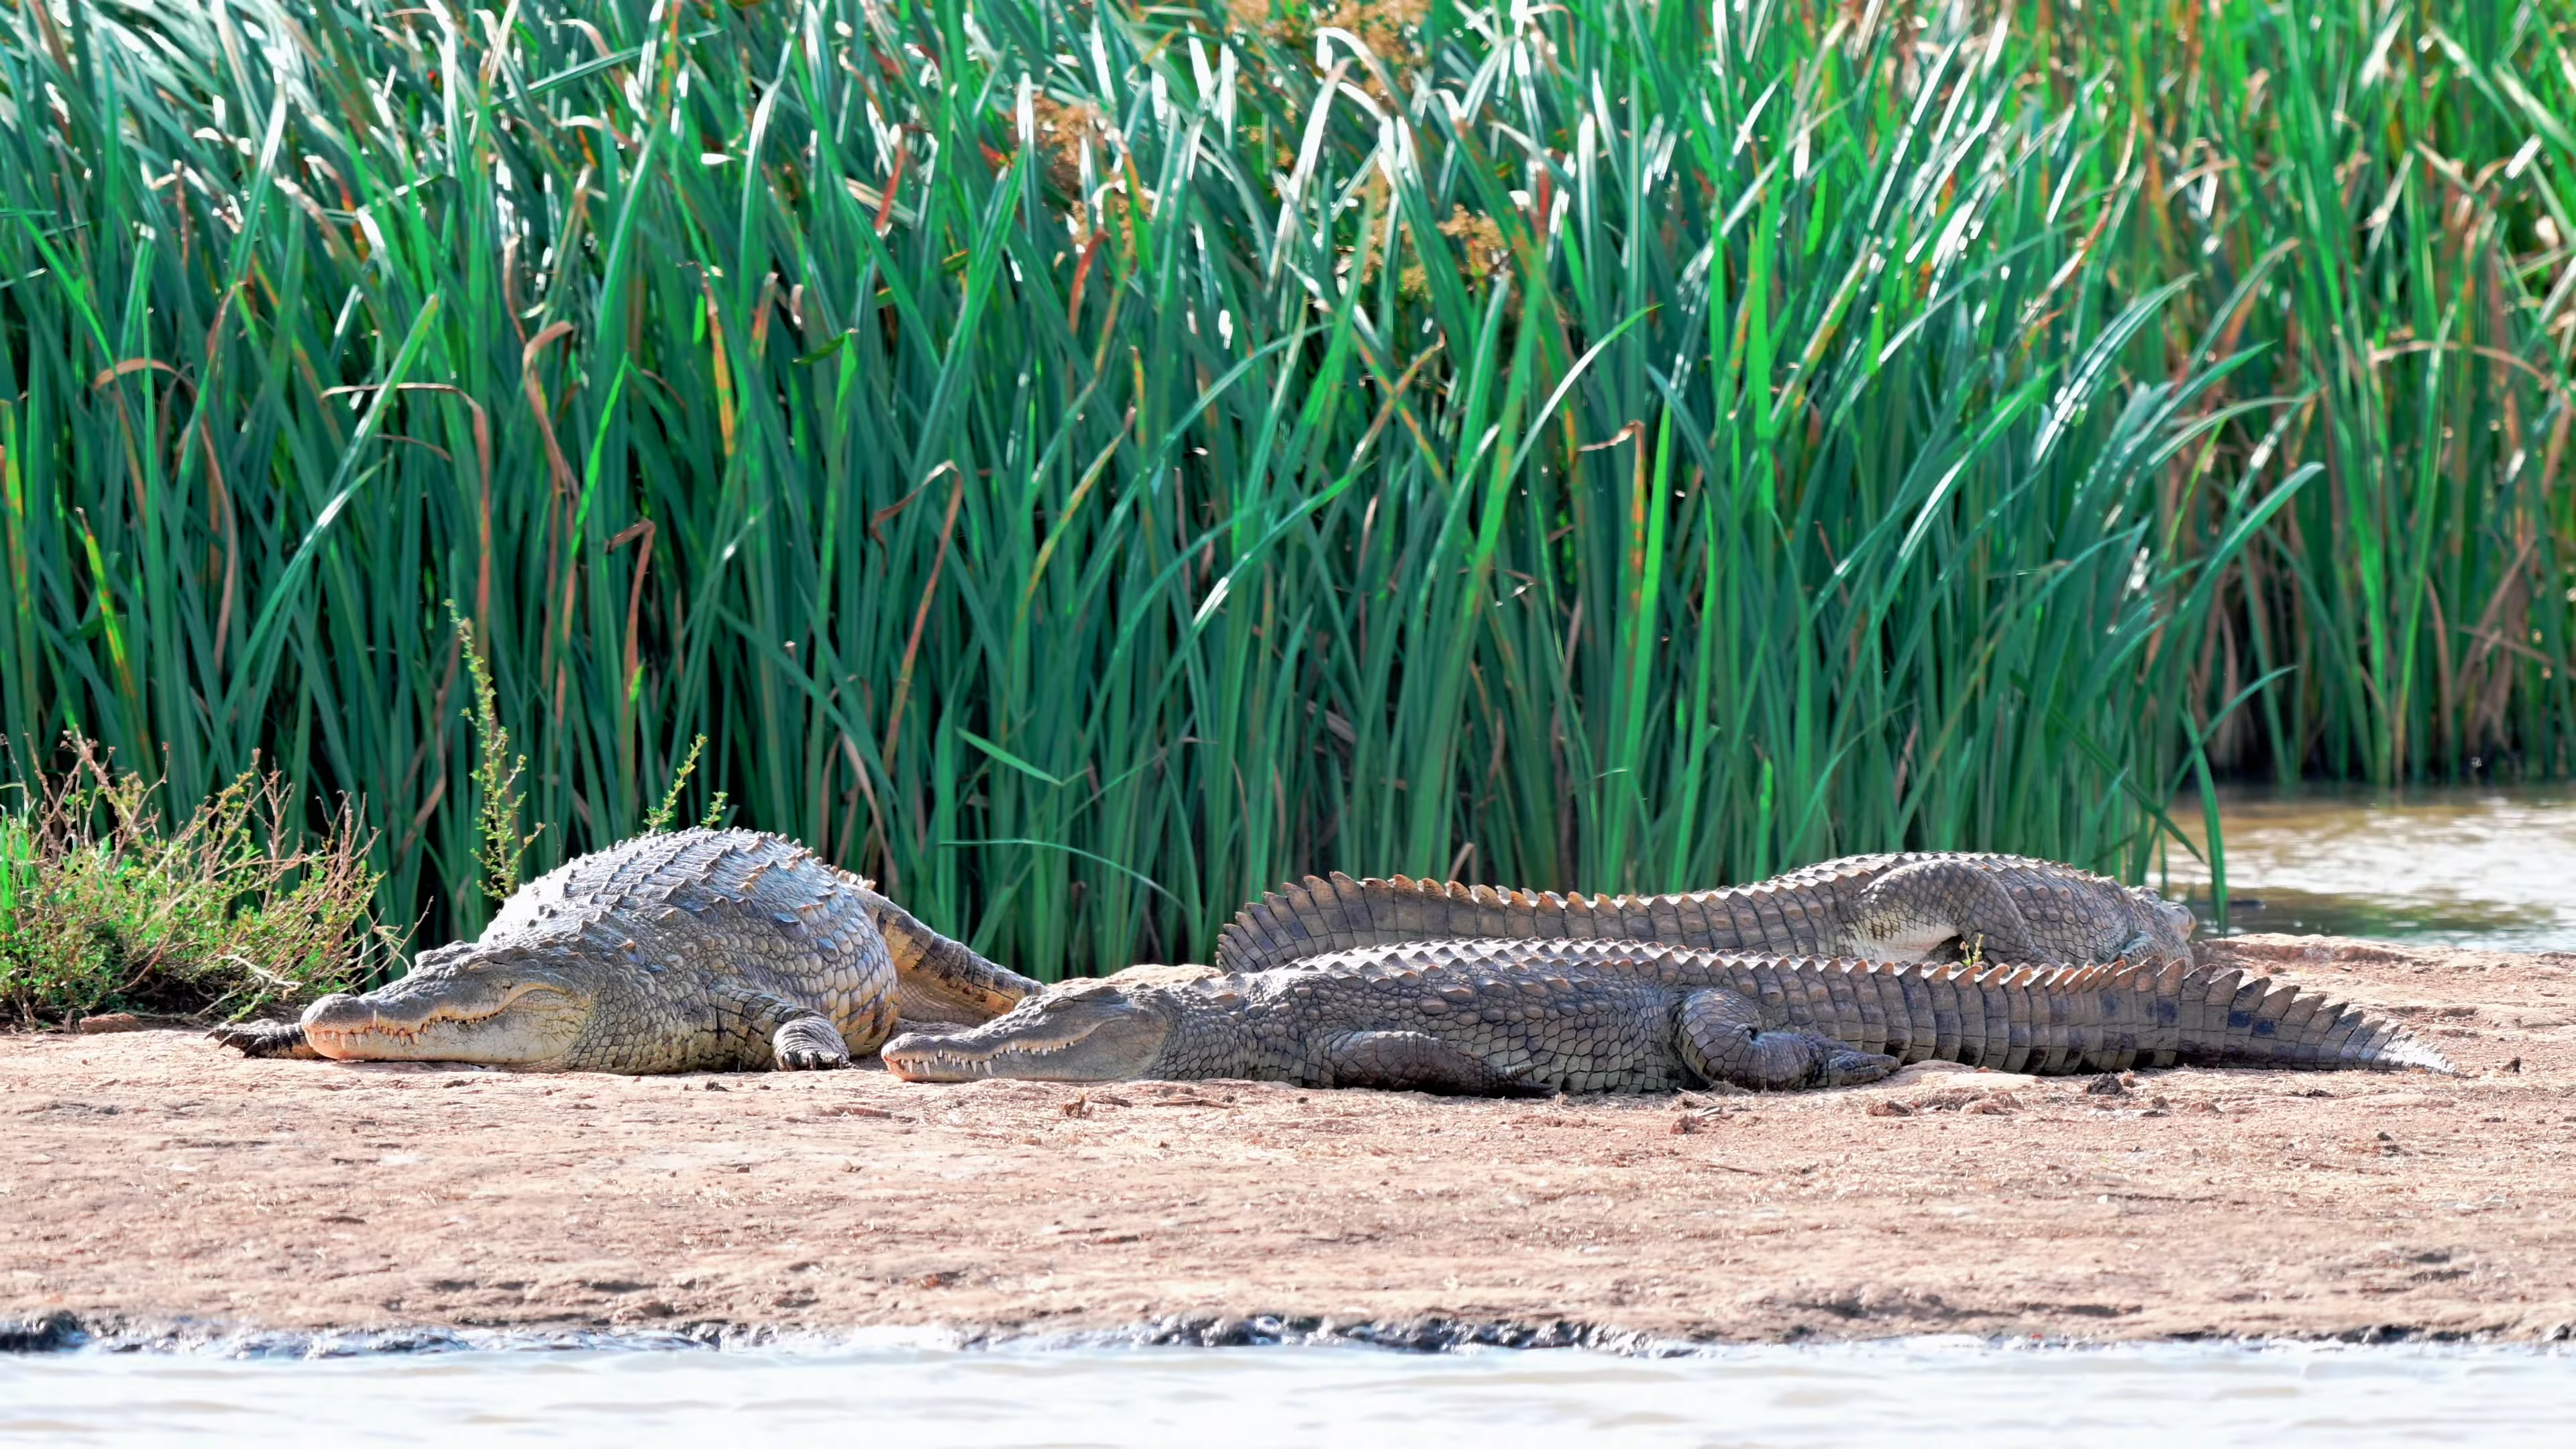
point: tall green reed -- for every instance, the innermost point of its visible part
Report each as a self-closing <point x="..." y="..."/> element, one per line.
<point x="2402" y="169"/>
<point x="1081" y="464"/>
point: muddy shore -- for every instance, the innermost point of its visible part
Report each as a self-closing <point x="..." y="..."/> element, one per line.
<point x="150" y="1179"/>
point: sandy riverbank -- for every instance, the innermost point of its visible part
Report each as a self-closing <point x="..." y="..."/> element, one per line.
<point x="151" y="1177"/>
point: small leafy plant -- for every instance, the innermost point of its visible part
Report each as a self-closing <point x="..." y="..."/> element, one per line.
<point x="496" y="776"/>
<point x="658" y="819"/>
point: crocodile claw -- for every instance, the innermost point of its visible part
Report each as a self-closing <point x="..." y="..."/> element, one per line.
<point x="265" y="1039"/>
<point x="807" y="1060"/>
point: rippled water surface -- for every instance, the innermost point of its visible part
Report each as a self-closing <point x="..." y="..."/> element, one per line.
<point x="1922" y="1392"/>
<point x="2493" y="868"/>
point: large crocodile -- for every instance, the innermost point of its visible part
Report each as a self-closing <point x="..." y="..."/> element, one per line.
<point x="695" y="950"/>
<point x="1875" y="907"/>
<point x="1523" y="1017"/>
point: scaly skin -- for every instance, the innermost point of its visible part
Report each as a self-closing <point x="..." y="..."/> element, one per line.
<point x="698" y="950"/>
<point x="1875" y="907"/>
<point x="1520" y="1017"/>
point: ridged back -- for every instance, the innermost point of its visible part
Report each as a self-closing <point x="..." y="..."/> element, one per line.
<point x="677" y="867"/>
<point x="1798" y="912"/>
<point x="1318" y="915"/>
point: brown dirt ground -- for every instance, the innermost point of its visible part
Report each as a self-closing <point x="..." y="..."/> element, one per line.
<point x="151" y="1177"/>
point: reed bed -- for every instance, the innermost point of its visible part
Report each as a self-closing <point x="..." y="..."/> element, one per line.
<point x="1080" y="463"/>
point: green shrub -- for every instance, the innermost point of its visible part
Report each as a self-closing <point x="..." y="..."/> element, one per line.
<point x="103" y="906"/>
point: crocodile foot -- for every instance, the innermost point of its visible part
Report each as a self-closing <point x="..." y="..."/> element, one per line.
<point x="1723" y="1040"/>
<point x="809" y="1044"/>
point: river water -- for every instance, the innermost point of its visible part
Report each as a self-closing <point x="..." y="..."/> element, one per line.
<point x="2483" y="867"/>
<point x="1919" y="1392"/>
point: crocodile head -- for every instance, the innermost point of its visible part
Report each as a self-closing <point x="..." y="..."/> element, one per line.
<point x="509" y="1007"/>
<point x="1080" y="1031"/>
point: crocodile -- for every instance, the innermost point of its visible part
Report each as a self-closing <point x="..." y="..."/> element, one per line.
<point x="1512" y="1018"/>
<point x="1876" y="907"/>
<point x="693" y="950"/>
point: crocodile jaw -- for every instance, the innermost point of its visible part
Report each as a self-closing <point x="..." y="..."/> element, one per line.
<point x="1083" y="1031"/>
<point x="514" y="1024"/>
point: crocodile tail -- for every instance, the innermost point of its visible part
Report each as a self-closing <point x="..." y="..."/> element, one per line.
<point x="2232" y="1017"/>
<point x="941" y="980"/>
<point x="2052" y="1020"/>
<point x="1318" y="915"/>
<point x="1310" y="917"/>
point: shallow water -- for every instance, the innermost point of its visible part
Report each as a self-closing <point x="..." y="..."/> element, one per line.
<point x="2484" y="867"/>
<point x="1917" y="1392"/>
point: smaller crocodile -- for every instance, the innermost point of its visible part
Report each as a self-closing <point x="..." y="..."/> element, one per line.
<point x="1523" y="1018"/>
<point x="1877" y="907"/>
<point x="695" y="950"/>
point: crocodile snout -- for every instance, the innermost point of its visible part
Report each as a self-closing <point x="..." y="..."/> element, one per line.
<point x="1081" y="1031"/>
<point x="522" y="1023"/>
